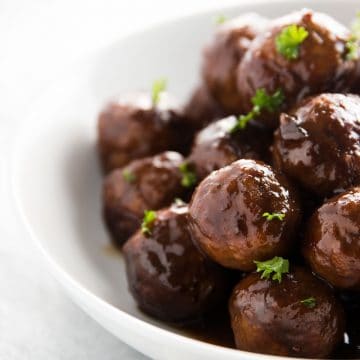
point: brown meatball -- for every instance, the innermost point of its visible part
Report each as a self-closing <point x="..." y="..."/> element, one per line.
<point x="320" y="67"/>
<point x="133" y="128"/>
<point x="227" y="214"/>
<point x="167" y="275"/>
<point x="318" y="143"/>
<point x="202" y="109"/>
<point x="146" y="184"/>
<point x="215" y="147"/>
<point x="271" y="317"/>
<point x="332" y="245"/>
<point x="223" y="54"/>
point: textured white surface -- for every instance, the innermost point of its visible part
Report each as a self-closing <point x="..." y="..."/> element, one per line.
<point x="37" y="40"/>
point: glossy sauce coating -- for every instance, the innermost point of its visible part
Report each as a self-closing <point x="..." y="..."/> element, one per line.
<point x="318" y="143"/>
<point x="226" y="213"/>
<point x="222" y="56"/>
<point x="156" y="182"/>
<point x="215" y="147"/>
<point x="320" y="67"/>
<point x="332" y="245"/>
<point x="133" y="128"/>
<point x="167" y="275"/>
<point x="268" y="316"/>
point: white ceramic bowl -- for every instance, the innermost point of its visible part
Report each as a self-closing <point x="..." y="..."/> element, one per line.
<point x="57" y="180"/>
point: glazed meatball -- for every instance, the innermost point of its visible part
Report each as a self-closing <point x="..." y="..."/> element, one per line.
<point x="215" y="146"/>
<point x="167" y="275"/>
<point x="298" y="317"/>
<point x="332" y="244"/>
<point x="202" y="109"/>
<point x="133" y="128"/>
<point x="223" y="54"/>
<point x="318" y="143"/>
<point x="231" y="214"/>
<point x="320" y="66"/>
<point x="146" y="184"/>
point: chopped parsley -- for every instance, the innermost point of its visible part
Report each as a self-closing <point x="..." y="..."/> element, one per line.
<point x="221" y="19"/>
<point x="159" y="86"/>
<point x="272" y="216"/>
<point x="148" y="221"/>
<point x="271" y="103"/>
<point x="261" y="101"/>
<point x="128" y="176"/>
<point x="352" y="48"/>
<point x="273" y="268"/>
<point x="352" y="44"/>
<point x="188" y="176"/>
<point x="309" y="302"/>
<point x="289" y="40"/>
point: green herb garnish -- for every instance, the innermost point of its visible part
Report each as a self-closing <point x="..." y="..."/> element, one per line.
<point x="309" y="302"/>
<point x="352" y="48"/>
<point x="261" y="101"/>
<point x="128" y="176"/>
<point x="272" y="216"/>
<point x="148" y="220"/>
<point x="271" y="103"/>
<point x="275" y="267"/>
<point x="188" y="176"/>
<point x="221" y="19"/>
<point x="289" y="40"/>
<point x="159" y="86"/>
<point x="352" y="44"/>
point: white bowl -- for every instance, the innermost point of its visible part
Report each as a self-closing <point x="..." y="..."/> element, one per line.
<point x="57" y="181"/>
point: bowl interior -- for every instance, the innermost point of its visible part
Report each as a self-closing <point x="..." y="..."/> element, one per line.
<point x="57" y="178"/>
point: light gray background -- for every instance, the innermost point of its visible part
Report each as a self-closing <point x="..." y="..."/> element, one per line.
<point x="38" y="39"/>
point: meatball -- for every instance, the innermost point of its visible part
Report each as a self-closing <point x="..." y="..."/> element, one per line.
<point x="297" y="317"/>
<point x="202" y="108"/>
<point x="168" y="277"/>
<point x="318" y="143"/>
<point x="242" y="213"/>
<point x="149" y="183"/>
<point x="223" y="54"/>
<point x="321" y="64"/>
<point x="134" y="127"/>
<point x="332" y="244"/>
<point x="215" y="147"/>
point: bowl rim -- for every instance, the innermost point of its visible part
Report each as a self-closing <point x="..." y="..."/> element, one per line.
<point x="73" y="287"/>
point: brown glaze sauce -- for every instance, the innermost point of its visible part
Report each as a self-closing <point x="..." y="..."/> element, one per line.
<point x="216" y="330"/>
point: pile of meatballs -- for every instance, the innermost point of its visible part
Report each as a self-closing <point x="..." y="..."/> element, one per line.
<point x="247" y="198"/>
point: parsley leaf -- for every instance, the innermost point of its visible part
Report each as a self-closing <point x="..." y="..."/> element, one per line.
<point x="159" y="86"/>
<point x="188" y="177"/>
<point x="261" y="101"/>
<point x="272" y="216"/>
<point x="275" y="267"/>
<point x="352" y="44"/>
<point x="128" y="176"/>
<point x="221" y="19"/>
<point x="271" y="103"/>
<point x="309" y="302"/>
<point x="352" y="48"/>
<point x="288" y="41"/>
<point x="148" y="220"/>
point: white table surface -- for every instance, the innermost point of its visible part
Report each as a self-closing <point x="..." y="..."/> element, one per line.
<point x="38" y="39"/>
